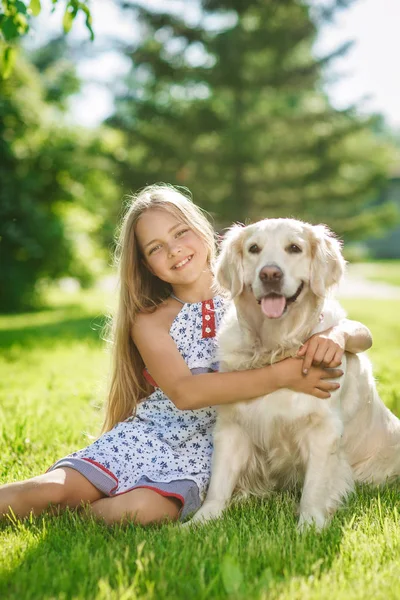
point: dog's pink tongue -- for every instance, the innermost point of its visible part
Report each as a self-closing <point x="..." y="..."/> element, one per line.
<point x="273" y="306"/>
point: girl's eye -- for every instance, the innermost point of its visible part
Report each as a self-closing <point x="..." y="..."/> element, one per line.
<point x="294" y="249"/>
<point x="254" y="249"/>
<point x="180" y="233"/>
<point x="154" y="248"/>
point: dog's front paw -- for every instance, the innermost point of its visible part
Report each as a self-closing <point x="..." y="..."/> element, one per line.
<point x="315" y="519"/>
<point x="208" y="512"/>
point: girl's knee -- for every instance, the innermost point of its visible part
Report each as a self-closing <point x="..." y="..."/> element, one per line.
<point x="107" y="510"/>
<point x="151" y="507"/>
<point x="112" y="510"/>
<point x="138" y="506"/>
<point x="68" y="487"/>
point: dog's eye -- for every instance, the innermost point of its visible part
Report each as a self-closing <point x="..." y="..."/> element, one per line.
<point x="293" y="249"/>
<point x="254" y="249"/>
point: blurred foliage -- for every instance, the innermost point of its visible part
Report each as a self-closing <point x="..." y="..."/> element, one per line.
<point x="233" y="108"/>
<point x="56" y="185"/>
<point x="230" y="106"/>
<point x="15" y="16"/>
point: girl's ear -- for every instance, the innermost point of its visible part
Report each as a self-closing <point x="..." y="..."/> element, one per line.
<point x="229" y="267"/>
<point x="328" y="264"/>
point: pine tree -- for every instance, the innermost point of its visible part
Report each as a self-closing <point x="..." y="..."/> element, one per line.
<point x="232" y="107"/>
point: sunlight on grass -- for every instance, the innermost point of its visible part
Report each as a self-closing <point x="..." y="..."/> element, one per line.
<point x="381" y="316"/>
<point x="54" y="367"/>
<point x="365" y="566"/>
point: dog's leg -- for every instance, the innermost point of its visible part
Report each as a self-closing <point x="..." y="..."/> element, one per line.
<point x="380" y="457"/>
<point x="232" y="449"/>
<point x="372" y="431"/>
<point x="328" y="476"/>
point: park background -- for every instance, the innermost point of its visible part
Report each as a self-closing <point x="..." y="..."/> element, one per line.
<point x="258" y="108"/>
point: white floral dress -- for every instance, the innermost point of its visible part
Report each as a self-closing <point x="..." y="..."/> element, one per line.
<point x="162" y="448"/>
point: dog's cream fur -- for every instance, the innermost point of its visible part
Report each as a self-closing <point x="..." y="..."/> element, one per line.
<point x="288" y="438"/>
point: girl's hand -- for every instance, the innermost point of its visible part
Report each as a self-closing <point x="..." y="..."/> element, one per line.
<point x="325" y="349"/>
<point x="315" y="382"/>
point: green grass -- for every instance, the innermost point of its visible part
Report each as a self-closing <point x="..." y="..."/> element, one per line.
<point x="52" y="364"/>
<point x="385" y="271"/>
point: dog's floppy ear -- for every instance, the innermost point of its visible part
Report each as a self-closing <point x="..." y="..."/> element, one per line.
<point x="327" y="262"/>
<point x="229" y="268"/>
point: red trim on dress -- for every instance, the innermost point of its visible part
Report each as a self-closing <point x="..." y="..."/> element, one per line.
<point x="155" y="489"/>
<point x="208" y="320"/>
<point x="149" y="378"/>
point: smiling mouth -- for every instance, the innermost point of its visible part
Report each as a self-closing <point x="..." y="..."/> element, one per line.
<point x="275" y="305"/>
<point x="183" y="262"/>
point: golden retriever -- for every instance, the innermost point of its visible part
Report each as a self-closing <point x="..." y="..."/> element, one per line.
<point x="280" y="273"/>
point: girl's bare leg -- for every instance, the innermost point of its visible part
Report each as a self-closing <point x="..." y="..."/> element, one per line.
<point x="62" y="487"/>
<point x="141" y="505"/>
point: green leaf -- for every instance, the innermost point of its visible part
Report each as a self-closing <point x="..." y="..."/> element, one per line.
<point x="9" y="28"/>
<point x="20" y="6"/>
<point x="8" y="60"/>
<point x="88" y="19"/>
<point x="22" y="23"/>
<point x="232" y="577"/>
<point x="68" y="19"/>
<point x="35" y="7"/>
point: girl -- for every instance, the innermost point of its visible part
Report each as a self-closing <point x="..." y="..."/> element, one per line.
<point x="153" y="459"/>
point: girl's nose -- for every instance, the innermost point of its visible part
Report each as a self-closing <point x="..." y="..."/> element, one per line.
<point x="174" y="249"/>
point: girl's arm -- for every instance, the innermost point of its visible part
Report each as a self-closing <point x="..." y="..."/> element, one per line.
<point x="327" y="348"/>
<point x="188" y="391"/>
<point x="357" y="337"/>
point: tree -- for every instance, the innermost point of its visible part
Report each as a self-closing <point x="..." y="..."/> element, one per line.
<point x="235" y="111"/>
<point x="15" y="16"/>
<point x="56" y="187"/>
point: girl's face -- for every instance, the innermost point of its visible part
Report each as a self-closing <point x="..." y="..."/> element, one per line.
<point x="172" y="250"/>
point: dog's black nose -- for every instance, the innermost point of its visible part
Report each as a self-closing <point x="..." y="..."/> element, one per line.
<point x="271" y="273"/>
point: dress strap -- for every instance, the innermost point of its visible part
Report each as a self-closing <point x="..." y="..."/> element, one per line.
<point x="178" y="299"/>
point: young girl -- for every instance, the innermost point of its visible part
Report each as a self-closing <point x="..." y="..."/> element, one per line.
<point x="153" y="460"/>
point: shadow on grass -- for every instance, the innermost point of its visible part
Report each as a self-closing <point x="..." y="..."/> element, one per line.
<point x="255" y="550"/>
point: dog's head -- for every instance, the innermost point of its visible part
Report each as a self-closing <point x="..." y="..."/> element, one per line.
<point x="279" y="260"/>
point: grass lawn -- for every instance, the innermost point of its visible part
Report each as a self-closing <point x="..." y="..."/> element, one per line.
<point x="385" y="271"/>
<point x="52" y="365"/>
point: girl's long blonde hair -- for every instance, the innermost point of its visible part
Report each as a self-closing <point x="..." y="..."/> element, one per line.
<point x="141" y="291"/>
